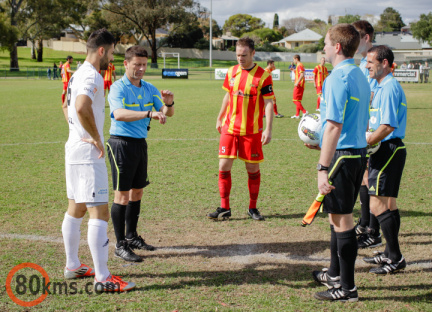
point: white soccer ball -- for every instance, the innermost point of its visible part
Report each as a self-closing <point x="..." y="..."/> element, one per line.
<point x="309" y="129"/>
<point x="371" y="149"/>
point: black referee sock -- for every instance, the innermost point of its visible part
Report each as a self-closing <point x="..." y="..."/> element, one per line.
<point x="347" y="249"/>
<point x="389" y="225"/>
<point x="118" y="213"/>
<point x="364" y="202"/>
<point x="374" y="224"/>
<point x="334" y="269"/>
<point x="132" y="215"/>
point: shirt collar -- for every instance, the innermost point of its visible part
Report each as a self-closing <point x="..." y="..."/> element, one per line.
<point x="346" y="62"/>
<point x="386" y="79"/>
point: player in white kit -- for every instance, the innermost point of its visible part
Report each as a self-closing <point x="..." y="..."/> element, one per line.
<point x="86" y="172"/>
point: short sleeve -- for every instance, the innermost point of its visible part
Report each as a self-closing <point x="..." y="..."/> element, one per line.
<point x="389" y="106"/>
<point x="88" y="87"/>
<point x="336" y="96"/>
<point x="225" y="85"/>
<point x="267" y="88"/>
<point x="157" y="98"/>
<point x="115" y="98"/>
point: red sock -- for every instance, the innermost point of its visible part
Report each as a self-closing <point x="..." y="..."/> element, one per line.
<point x="254" y="182"/>
<point x="63" y="97"/>
<point x="275" y="108"/>
<point x="318" y="102"/>
<point x="224" y="188"/>
<point x="299" y="107"/>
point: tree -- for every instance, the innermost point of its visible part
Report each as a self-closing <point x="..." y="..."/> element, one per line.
<point x="8" y="34"/>
<point x="422" y="29"/>
<point x="242" y="23"/>
<point x="276" y="21"/>
<point x="349" y="18"/>
<point x="390" y="20"/>
<point x="185" y="36"/>
<point x="146" y="16"/>
<point x="264" y="34"/>
<point x="296" y="24"/>
<point x="14" y="7"/>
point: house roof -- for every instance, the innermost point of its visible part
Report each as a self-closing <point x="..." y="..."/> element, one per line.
<point x="304" y="35"/>
<point x="399" y="41"/>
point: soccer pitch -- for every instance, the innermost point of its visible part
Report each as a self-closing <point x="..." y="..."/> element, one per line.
<point x="202" y="265"/>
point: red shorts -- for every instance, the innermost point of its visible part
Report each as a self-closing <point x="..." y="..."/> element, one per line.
<point x="319" y="90"/>
<point x="248" y="147"/>
<point x="65" y="84"/>
<point x="107" y="85"/>
<point x="298" y="93"/>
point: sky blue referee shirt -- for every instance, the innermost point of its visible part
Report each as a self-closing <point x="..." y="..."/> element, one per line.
<point x="389" y="107"/>
<point x="124" y="94"/>
<point x="346" y="95"/>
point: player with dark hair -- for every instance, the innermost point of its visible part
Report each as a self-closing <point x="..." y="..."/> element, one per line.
<point x="388" y="117"/>
<point x="344" y="115"/>
<point x="86" y="172"/>
<point x="240" y="123"/>
<point x="299" y="84"/>
<point x="367" y="228"/>
<point x="271" y="67"/>
<point x="320" y="73"/>
<point x="66" y="74"/>
<point x="131" y="101"/>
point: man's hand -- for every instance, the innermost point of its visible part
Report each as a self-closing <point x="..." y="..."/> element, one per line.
<point x="315" y="147"/>
<point x="219" y="126"/>
<point x="266" y="137"/>
<point x="324" y="186"/>
<point x="159" y="116"/>
<point x="99" y="145"/>
<point x="167" y="96"/>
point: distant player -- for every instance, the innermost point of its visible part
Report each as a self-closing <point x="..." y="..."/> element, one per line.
<point x="86" y="172"/>
<point x="367" y="228"/>
<point x="299" y="84"/>
<point x="271" y="67"/>
<point x="320" y="73"/>
<point x="108" y="77"/>
<point x="388" y="116"/>
<point x="344" y="115"/>
<point x="240" y="123"/>
<point x="66" y="73"/>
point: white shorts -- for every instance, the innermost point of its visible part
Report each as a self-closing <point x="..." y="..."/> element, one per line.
<point x="87" y="183"/>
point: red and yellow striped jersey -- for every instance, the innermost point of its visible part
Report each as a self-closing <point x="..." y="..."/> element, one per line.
<point x="109" y="72"/>
<point x="299" y="69"/>
<point x="65" y="74"/>
<point x="320" y="73"/>
<point x="247" y="90"/>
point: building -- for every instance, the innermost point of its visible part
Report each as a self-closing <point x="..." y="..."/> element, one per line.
<point x="296" y="40"/>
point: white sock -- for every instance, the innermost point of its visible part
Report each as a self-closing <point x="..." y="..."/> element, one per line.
<point x="98" y="243"/>
<point x="71" y="238"/>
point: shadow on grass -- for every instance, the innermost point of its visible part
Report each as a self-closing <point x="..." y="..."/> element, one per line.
<point x="282" y="274"/>
<point x="293" y="250"/>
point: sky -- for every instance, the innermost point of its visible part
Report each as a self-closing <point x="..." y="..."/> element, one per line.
<point x="410" y="10"/>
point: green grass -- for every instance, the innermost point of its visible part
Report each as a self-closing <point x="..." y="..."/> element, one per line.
<point x="238" y="265"/>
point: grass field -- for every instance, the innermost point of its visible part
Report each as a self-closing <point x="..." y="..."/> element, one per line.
<point x="201" y="265"/>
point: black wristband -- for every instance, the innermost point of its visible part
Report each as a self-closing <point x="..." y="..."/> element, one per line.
<point x="169" y="105"/>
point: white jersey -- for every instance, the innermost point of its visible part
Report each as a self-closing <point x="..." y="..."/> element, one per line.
<point x="85" y="81"/>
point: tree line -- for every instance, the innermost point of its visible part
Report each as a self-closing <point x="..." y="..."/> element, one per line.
<point x="186" y="21"/>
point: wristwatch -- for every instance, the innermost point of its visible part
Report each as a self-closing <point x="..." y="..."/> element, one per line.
<point x="169" y="105"/>
<point x="322" y="168"/>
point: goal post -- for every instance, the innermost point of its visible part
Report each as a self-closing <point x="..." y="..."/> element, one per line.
<point x="174" y="54"/>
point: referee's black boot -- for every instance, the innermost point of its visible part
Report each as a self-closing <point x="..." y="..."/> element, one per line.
<point x="123" y="251"/>
<point x="137" y="242"/>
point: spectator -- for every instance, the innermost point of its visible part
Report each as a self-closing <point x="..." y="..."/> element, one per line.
<point x="421" y="72"/>
<point x="426" y="72"/>
<point x="55" y="71"/>
<point x="49" y="73"/>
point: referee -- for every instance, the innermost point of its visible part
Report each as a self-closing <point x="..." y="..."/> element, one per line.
<point x="388" y="117"/>
<point x="344" y="112"/>
<point x="131" y="102"/>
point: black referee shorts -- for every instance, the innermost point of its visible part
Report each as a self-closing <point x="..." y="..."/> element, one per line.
<point x="386" y="167"/>
<point x="346" y="181"/>
<point x="128" y="159"/>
